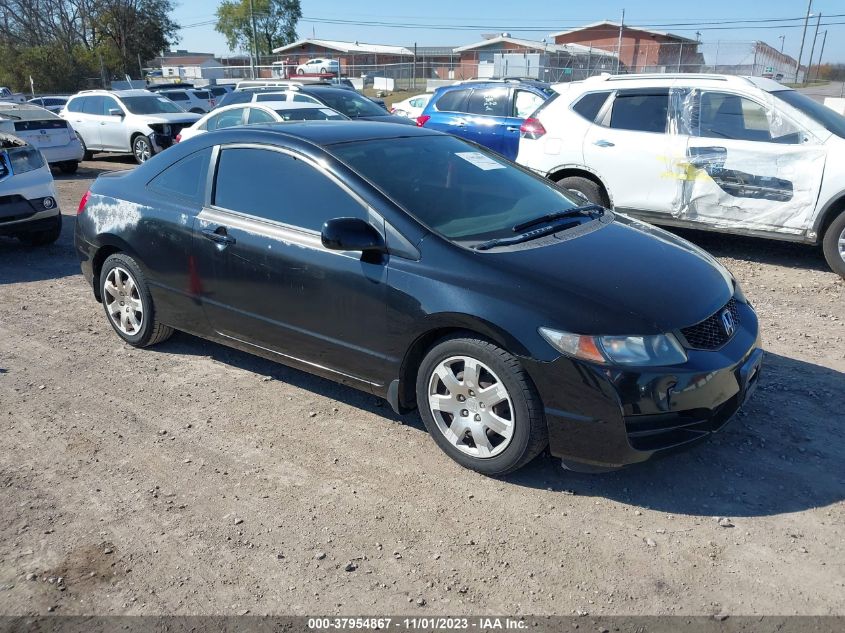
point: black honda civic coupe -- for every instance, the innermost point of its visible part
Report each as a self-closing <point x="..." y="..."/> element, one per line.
<point x="432" y="273"/>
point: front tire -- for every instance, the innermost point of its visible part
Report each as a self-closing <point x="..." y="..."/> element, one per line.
<point x="128" y="304"/>
<point x="300" y="71"/>
<point x="480" y="406"/>
<point x="70" y="167"/>
<point x="45" y="237"/>
<point x="833" y="245"/>
<point x="142" y="149"/>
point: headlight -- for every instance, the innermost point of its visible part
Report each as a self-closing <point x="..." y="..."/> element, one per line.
<point x="642" y="351"/>
<point x="24" y="159"/>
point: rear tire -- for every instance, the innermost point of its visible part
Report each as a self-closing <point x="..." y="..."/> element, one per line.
<point x="45" y="237"/>
<point x="833" y="245"/>
<point x="323" y="71"/>
<point x="498" y="425"/>
<point x="70" y="167"/>
<point x="300" y="71"/>
<point x="128" y="304"/>
<point x="584" y="188"/>
<point x="86" y="153"/>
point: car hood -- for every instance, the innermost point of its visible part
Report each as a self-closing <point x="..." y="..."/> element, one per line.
<point x="387" y="118"/>
<point x="626" y="277"/>
<point x="171" y="117"/>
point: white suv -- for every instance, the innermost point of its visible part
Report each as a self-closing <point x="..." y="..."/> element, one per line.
<point x="192" y="100"/>
<point x="734" y="154"/>
<point x="136" y="121"/>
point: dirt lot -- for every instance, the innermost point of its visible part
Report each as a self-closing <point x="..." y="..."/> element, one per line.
<point x="194" y="479"/>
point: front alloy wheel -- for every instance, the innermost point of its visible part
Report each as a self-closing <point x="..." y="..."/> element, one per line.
<point x="142" y="149"/>
<point x="471" y="407"/>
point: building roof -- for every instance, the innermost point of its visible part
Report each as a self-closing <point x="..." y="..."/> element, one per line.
<point x="627" y="27"/>
<point x="186" y="60"/>
<point x="573" y="49"/>
<point x="347" y="47"/>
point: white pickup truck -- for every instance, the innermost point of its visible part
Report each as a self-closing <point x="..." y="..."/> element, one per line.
<point x="9" y="96"/>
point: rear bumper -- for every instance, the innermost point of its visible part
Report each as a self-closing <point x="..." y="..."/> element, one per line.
<point x="606" y="417"/>
<point x="70" y="153"/>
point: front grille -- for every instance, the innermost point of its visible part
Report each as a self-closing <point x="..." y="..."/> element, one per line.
<point x="711" y="333"/>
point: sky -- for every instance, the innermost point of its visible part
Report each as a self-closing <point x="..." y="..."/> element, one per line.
<point x="450" y="23"/>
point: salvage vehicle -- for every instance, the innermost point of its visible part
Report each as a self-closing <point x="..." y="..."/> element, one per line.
<point x="260" y="113"/>
<point x="136" y="121"/>
<point x="432" y="273"/>
<point x="742" y="155"/>
<point x="29" y="209"/>
<point x="43" y="129"/>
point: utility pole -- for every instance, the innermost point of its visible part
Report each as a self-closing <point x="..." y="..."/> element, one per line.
<point x="140" y="67"/>
<point x="415" y="67"/>
<point x="782" y="39"/>
<point x="821" y="52"/>
<point x="803" y="37"/>
<point x="813" y="49"/>
<point x="254" y="48"/>
<point x="619" y="43"/>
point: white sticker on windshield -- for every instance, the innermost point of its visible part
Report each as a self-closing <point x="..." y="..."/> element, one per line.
<point x="480" y="160"/>
<point x="328" y="111"/>
<point x="163" y="99"/>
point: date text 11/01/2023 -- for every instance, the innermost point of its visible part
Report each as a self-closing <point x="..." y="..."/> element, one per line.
<point x="418" y="623"/>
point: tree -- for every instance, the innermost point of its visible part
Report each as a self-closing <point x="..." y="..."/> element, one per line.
<point x="275" y="23"/>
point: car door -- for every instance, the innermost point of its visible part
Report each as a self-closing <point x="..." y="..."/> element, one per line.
<point x="113" y="134"/>
<point x="448" y="113"/>
<point x="267" y="281"/>
<point x="749" y="165"/>
<point x="487" y="116"/>
<point x="81" y="122"/>
<point x="523" y="104"/>
<point x="92" y="115"/>
<point x="631" y="149"/>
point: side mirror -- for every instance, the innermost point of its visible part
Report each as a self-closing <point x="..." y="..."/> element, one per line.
<point x="351" y="234"/>
<point x="116" y="112"/>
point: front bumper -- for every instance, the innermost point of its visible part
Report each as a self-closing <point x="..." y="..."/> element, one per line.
<point x="609" y="417"/>
<point x="19" y="215"/>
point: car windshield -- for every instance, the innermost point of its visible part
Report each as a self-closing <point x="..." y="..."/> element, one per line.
<point x="819" y="112"/>
<point x="150" y="105"/>
<point x="310" y="114"/>
<point x="460" y="191"/>
<point x="349" y="103"/>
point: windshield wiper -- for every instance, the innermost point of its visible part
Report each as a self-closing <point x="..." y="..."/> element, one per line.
<point x="516" y="239"/>
<point x="556" y="215"/>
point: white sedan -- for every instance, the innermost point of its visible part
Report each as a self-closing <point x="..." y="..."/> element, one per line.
<point x="256" y="113"/>
<point x="51" y="134"/>
<point x="411" y="107"/>
<point x="321" y="65"/>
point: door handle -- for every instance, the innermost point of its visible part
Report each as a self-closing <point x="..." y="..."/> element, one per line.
<point x="218" y="236"/>
<point x="603" y="143"/>
<point x="459" y="122"/>
<point x="512" y="128"/>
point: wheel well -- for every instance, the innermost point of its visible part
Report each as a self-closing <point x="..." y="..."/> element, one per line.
<point x="97" y="266"/>
<point x="830" y="214"/>
<point x="566" y="173"/>
<point x="413" y="358"/>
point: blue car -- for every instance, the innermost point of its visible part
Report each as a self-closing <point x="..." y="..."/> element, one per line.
<point x="487" y="113"/>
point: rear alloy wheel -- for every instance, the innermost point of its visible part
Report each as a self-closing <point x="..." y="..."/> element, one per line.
<point x="323" y="71"/>
<point x="479" y="405"/>
<point x="142" y="149"/>
<point x="833" y="245"/>
<point x="128" y="303"/>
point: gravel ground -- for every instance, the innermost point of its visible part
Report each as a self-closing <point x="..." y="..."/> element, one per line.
<point x="194" y="479"/>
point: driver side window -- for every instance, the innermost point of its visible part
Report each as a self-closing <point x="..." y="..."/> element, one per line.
<point x="729" y="116"/>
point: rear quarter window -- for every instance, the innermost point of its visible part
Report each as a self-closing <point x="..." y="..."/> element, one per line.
<point x="185" y="179"/>
<point x="76" y="105"/>
<point x="452" y="101"/>
<point x="589" y="105"/>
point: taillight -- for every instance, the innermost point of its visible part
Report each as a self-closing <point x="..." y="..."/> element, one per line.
<point x="422" y="120"/>
<point x="83" y="202"/>
<point x="532" y="129"/>
<point x="212" y="102"/>
<point x="179" y="137"/>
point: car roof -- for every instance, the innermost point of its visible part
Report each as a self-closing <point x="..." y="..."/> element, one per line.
<point x="669" y="79"/>
<point x="26" y="111"/>
<point x="332" y="132"/>
<point x="286" y="105"/>
<point x="322" y="89"/>
<point x="115" y="93"/>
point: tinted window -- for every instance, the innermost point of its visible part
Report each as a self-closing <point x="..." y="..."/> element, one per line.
<point x="589" y="105"/>
<point x="218" y="91"/>
<point x="93" y="105"/>
<point x="488" y="102"/>
<point x="259" y="116"/>
<point x="304" y="99"/>
<point x="77" y="105"/>
<point x="185" y="178"/>
<point x="235" y="97"/>
<point x="54" y="102"/>
<point x="202" y="94"/>
<point x="452" y="101"/>
<point x="311" y="114"/>
<point x="152" y="104"/>
<point x="253" y="180"/>
<point x="110" y="104"/>
<point x="225" y="119"/>
<point x="456" y="189"/>
<point x="349" y="103"/>
<point x="820" y="113"/>
<point x="525" y="103"/>
<point x="640" y="112"/>
<point x="176" y="96"/>
<point x="271" y="96"/>
<point x="723" y="115"/>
